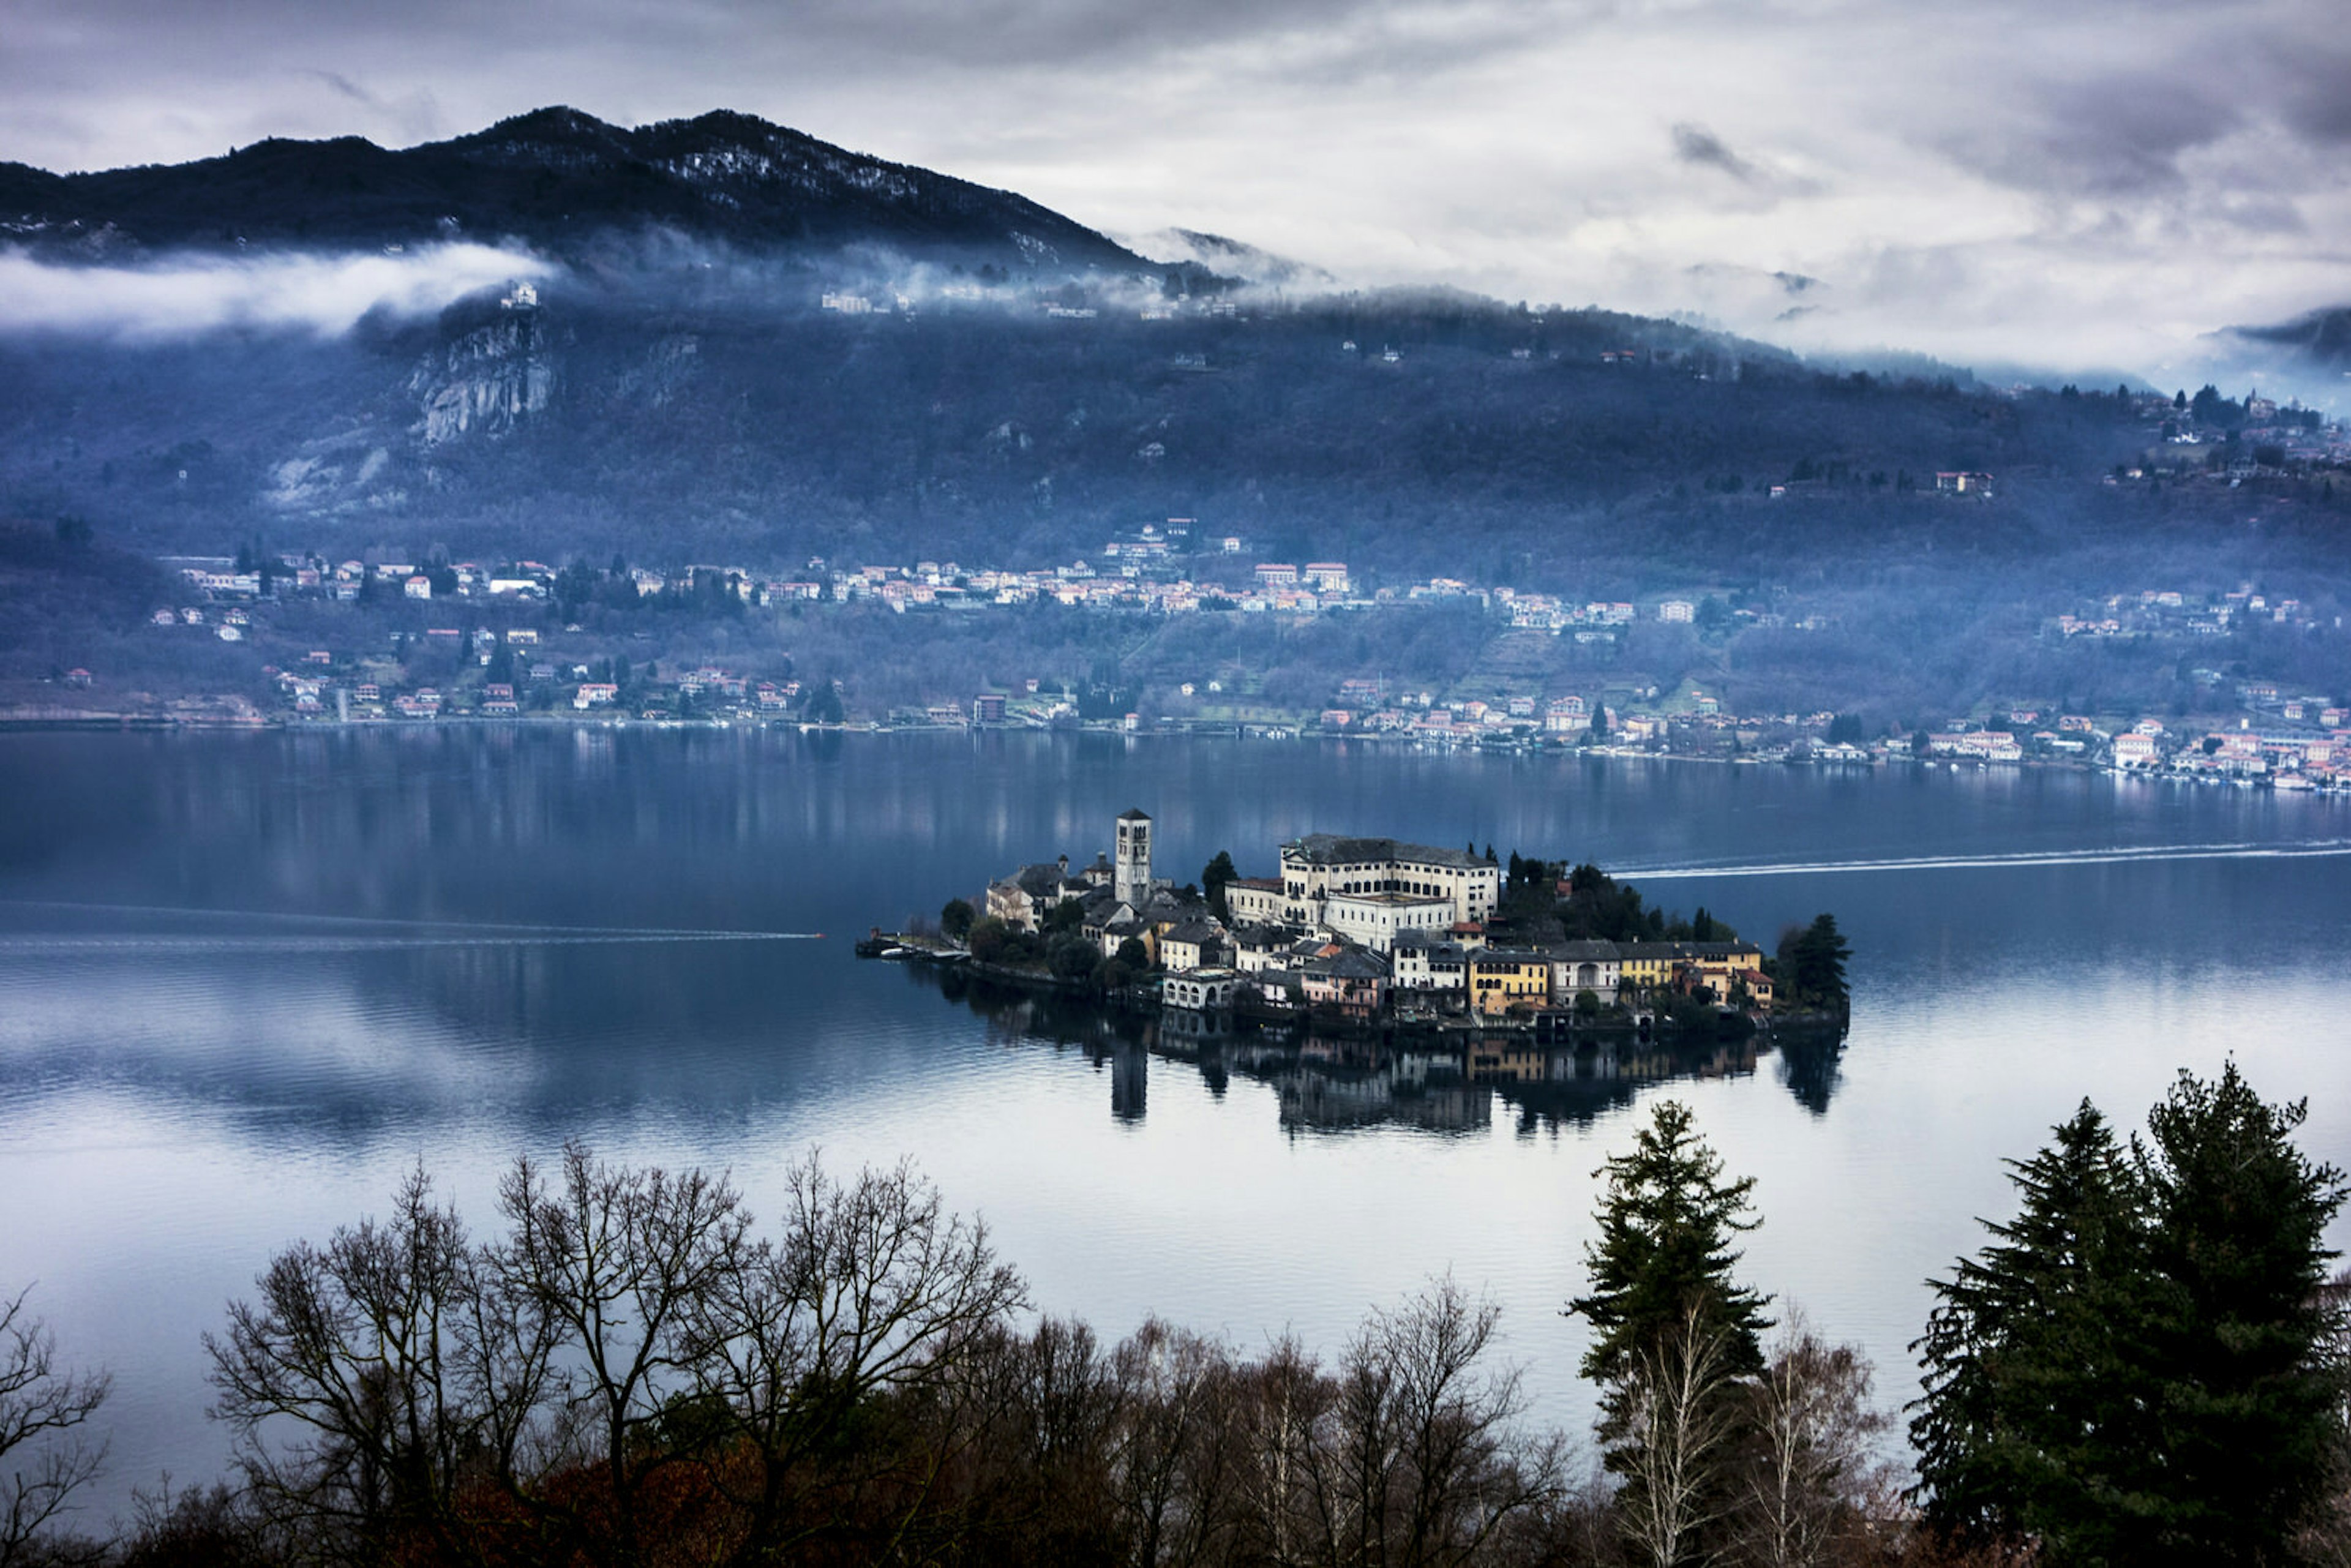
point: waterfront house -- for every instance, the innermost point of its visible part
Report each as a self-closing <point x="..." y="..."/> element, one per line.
<point x="1192" y="944"/>
<point x="1428" y="961"/>
<point x="1199" y="990"/>
<point x="1500" y="978"/>
<point x="1645" y="966"/>
<point x="1725" y="971"/>
<point x="1351" y="979"/>
<point x="1029" y="895"/>
<point x="1589" y="966"/>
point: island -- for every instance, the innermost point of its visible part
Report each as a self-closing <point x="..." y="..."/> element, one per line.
<point x="1361" y="935"/>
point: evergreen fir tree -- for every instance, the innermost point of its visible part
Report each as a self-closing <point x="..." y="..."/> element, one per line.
<point x="1667" y="1221"/>
<point x="2030" y="1427"/>
<point x="2138" y="1371"/>
<point x="2250" y="1402"/>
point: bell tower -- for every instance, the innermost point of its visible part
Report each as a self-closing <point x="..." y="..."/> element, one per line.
<point x="1132" y="861"/>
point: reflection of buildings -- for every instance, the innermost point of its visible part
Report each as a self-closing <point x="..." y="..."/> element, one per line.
<point x="1130" y="1080"/>
<point x="1313" y="1096"/>
<point x="1326" y="1084"/>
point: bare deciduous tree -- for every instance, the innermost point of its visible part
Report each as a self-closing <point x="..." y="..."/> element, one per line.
<point x="42" y="1412"/>
<point x="375" y="1378"/>
<point x="617" y="1261"/>
<point x="1177" y="1449"/>
<point x="1680" y="1423"/>
<point x="1411" y="1455"/>
<point x="1816" y="1468"/>
<point x="873" y="1288"/>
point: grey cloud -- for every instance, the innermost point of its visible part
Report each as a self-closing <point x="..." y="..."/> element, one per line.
<point x="1696" y="144"/>
<point x="2118" y="136"/>
<point x="348" y="87"/>
<point x="2314" y="91"/>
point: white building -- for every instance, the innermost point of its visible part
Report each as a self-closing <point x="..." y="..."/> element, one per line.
<point x="1321" y="866"/>
<point x="1421" y="963"/>
<point x="1199" y="990"/>
<point x="1594" y="966"/>
<point x="1376" y="920"/>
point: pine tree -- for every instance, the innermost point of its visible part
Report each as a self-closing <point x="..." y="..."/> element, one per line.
<point x="2251" y="1401"/>
<point x="2030" y="1426"/>
<point x="1812" y="963"/>
<point x="1667" y="1221"/>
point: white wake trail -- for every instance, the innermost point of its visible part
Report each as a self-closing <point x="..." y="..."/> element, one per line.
<point x="53" y="945"/>
<point x="484" y="928"/>
<point x="2314" y="850"/>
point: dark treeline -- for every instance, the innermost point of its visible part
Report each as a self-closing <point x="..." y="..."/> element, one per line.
<point x="2148" y="1365"/>
<point x="686" y="422"/>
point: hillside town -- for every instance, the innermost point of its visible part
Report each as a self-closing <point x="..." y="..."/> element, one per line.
<point x="451" y="641"/>
<point x="1359" y="933"/>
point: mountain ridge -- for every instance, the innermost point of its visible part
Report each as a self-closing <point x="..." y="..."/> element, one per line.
<point x="553" y="178"/>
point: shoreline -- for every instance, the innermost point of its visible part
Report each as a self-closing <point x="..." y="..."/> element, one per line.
<point x="89" y="723"/>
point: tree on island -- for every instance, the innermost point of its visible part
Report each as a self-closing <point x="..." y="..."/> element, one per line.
<point x="955" y="918"/>
<point x="1811" y="966"/>
<point x="1219" y="872"/>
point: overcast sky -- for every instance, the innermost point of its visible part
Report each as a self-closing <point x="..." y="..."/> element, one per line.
<point x="2077" y="180"/>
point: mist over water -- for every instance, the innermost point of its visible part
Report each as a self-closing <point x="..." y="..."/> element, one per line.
<point x="246" y="982"/>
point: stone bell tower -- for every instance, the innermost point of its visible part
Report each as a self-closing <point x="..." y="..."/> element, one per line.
<point x="1132" y="861"/>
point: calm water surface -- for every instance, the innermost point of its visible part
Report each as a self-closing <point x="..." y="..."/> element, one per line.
<point x="246" y="982"/>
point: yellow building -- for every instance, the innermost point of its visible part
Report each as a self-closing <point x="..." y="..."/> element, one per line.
<point x="1722" y="968"/>
<point x="1500" y="980"/>
<point x="1645" y="966"/>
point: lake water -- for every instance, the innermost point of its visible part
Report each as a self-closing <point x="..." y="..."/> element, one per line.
<point x="247" y="981"/>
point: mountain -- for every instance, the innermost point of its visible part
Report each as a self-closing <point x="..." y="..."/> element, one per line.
<point x="2307" y="358"/>
<point x="2320" y="341"/>
<point x="555" y="179"/>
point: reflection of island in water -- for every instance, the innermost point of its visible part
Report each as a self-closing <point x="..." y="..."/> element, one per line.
<point x="1340" y="1086"/>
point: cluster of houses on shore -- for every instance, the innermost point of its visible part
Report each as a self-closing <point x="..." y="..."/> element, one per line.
<point x="1359" y="928"/>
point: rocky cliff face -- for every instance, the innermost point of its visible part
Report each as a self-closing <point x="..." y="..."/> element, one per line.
<point x="488" y="379"/>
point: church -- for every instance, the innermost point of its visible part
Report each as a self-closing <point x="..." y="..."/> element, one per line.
<point x="1117" y="895"/>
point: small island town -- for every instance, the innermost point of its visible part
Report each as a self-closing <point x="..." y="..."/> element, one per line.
<point x="1373" y="936"/>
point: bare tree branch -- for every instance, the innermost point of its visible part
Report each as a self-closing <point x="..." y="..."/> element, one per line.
<point x="42" y="1410"/>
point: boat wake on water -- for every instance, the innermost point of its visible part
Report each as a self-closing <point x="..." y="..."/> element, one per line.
<point x="49" y="945"/>
<point x="356" y="932"/>
<point x="2311" y="850"/>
